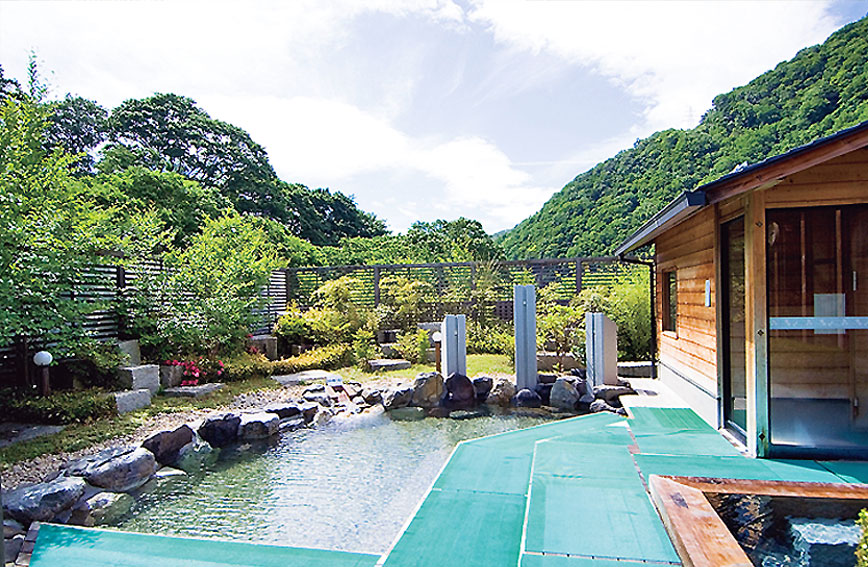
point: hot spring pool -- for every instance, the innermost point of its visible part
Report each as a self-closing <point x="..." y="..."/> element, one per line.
<point x="349" y="485"/>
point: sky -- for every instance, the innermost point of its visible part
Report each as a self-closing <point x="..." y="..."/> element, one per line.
<point x="422" y="109"/>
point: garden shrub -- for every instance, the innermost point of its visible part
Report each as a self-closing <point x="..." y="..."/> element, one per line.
<point x="494" y="338"/>
<point x="560" y="326"/>
<point x="413" y="347"/>
<point x="628" y="305"/>
<point x="247" y="366"/>
<point x="291" y="328"/>
<point x="333" y="319"/>
<point x="60" y="408"/>
<point x="403" y="302"/>
<point x="365" y="347"/>
<point x="96" y="364"/>
<point x="327" y="358"/>
<point x="862" y="547"/>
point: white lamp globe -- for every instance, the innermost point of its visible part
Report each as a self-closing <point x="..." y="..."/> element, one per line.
<point x="436" y="336"/>
<point x="42" y="358"/>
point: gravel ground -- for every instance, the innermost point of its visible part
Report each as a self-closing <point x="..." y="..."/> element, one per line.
<point x="35" y="470"/>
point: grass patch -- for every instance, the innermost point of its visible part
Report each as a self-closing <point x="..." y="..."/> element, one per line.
<point x="81" y="436"/>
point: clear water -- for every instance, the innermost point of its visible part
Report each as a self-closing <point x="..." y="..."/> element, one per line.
<point x="792" y="532"/>
<point x="350" y="485"/>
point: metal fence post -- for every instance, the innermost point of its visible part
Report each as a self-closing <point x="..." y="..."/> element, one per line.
<point x="524" y="317"/>
<point x="376" y="286"/>
<point x="579" y="273"/>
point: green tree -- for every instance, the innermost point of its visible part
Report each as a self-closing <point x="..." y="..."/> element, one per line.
<point x="78" y="126"/>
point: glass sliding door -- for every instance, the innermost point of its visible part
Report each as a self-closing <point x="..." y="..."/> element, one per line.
<point x="733" y="295"/>
<point x="817" y="269"/>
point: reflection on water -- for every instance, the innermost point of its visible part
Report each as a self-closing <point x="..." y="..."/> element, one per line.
<point x="350" y="485"/>
<point x="792" y="532"/>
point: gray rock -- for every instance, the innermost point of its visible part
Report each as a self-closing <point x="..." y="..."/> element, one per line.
<point x="387" y="364"/>
<point x="195" y="455"/>
<point x="132" y="400"/>
<point x="119" y="469"/>
<point x="407" y="414"/>
<point x="322" y="417"/>
<point x="163" y="477"/>
<point x="439" y="411"/>
<point x="266" y="344"/>
<point x="611" y="394"/>
<point x="166" y="445"/>
<point x="309" y="411"/>
<point x="220" y="430"/>
<point x="502" y="392"/>
<point x="138" y="377"/>
<point x="12" y="527"/>
<point x="598" y="406"/>
<point x="546" y="378"/>
<point x="171" y="375"/>
<point x="459" y="392"/>
<point x="13" y="548"/>
<point x="259" y="425"/>
<point x="564" y="395"/>
<point x="319" y="394"/>
<point x="109" y="507"/>
<point x="132" y="350"/>
<point x="360" y="401"/>
<point x="291" y="423"/>
<point x="352" y="389"/>
<point x="199" y="391"/>
<point x="468" y="414"/>
<point x="427" y="389"/>
<point x="544" y="391"/>
<point x="42" y="502"/>
<point x="283" y="409"/>
<point x="527" y="399"/>
<point x="482" y="386"/>
<point x="397" y="397"/>
<point x="371" y="396"/>
<point x="304" y="377"/>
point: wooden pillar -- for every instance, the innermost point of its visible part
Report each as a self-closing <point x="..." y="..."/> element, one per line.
<point x="756" y="341"/>
<point x="376" y="286"/>
<point x="579" y="274"/>
<point x="719" y="315"/>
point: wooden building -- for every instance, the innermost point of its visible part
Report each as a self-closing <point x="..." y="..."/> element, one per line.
<point x="762" y="299"/>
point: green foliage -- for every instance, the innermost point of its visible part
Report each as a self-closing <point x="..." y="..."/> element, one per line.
<point x="96" y="364"/>
<point x="822" y="90"/>
<point x="329" y="357"/>
<point x="205" y="299"/>
<point x="627" y="304"/>
<point x="247" y="366"/>
<point x="365" y="347"/>
<point x="413" y="346"/>
<point x="78" y="127"/>
<point x="496" y="337"/>
<point x="862" y="547"/>
<point x="561" y="327"/>
<point x="61" y="408"/>
<point x="52" y="231"/>
<point x="403" y="302"/>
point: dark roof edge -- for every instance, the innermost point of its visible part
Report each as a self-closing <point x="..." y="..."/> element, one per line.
<point x="682" y="207"/>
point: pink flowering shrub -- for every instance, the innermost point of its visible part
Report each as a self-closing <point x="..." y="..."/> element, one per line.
<point x="199" y="370"/>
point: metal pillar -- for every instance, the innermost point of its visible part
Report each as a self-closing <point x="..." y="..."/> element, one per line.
<point x="454" y="338"/>
<point x="524" y="317"/>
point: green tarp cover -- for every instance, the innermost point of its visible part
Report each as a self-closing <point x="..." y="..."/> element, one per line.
<point x="66" y="546"/>
<point x="664" y="420"/>
<point x="532" y="560"/>
<point x="486" y="469"/>
<point x="470" y="529"/>
<point x="849" y="471"/>
<point x="734" y="467"/>
<point x="686" y="443"/>
<point x="525" y="438"/>
<point x="611" y="462"/>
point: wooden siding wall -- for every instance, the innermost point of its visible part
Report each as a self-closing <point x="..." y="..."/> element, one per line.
<point x="840" y="181"/>
<point x="692" y="349"/>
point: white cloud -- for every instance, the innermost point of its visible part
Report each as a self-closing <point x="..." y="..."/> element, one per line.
<point x="677" y="55"/>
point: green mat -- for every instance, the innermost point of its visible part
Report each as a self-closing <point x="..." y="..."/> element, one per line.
<point x="86" y="547"/>
<point x="666" y="420"/>
<point x="525" y="438"/>
<point x="486" y="469"/>
<point x="734" y="467"/>
<point x="849" y="471"/>
<point x="686" y="442"/>
<point x="530" y="560"/>
<point x="611" y="462"/>
<point x="595" y="517"/>
<point x="613" y="434"/>
<point x="472" y="529"/>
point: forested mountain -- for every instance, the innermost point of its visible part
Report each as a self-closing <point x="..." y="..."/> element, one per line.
<point x="822" y="90"/>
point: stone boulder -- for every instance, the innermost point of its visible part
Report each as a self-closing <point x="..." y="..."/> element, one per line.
<point x="283" y="409"/>
<point x="372" y="396"/>
<point x="12" y="548"/>
<point x="119" y="469"/>
<point x="352" y="389"/>
<point x="132" y="400"/>
<point x="397" y="397"/>
<point x="482" y="386"/>
<point x="291" y="423"/>
<point x="166" y="445"/>
<point x="459" y="392"/>
<point x="427" y="389"/>
<point x="220" y="430"/>
<point x="502" y="392"/>
<point x="163" y="477"/>
<point x="194" y="456"/>
<point x="611" y="394"/>
<point x="544" y="391"/>
<point x="109" y="507"/>
<point x="259" y="425"/>
<point x="317" y="393"/>
<point x="598" y="406"/>
<point x="12" y="527"/>
<point x="309" y="411"/>
<point x="564" y="395"/>
<point x="171" y="375"/>
<point x="527" y="398"/>
<point x="199" y="391"/>
<point x="407" y="414"/>
<point x="138" y="377"/>
<point x="42" y="502"/>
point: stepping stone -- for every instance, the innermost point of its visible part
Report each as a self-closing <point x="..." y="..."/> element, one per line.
<point x="132" y="400"/>
<point x="11" y="433"/>
<point x="199" y="391"/>
<point x="388" y="364"/>
<point x="138" y="377"/>
<point x="304" y="377"/>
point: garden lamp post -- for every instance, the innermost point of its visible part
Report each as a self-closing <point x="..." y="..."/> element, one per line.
<point x="436" y="337"/>
<point x="42" y="359"/>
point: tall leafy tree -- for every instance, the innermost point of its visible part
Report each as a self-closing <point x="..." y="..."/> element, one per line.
<point x="78" y="126"/>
